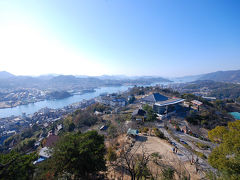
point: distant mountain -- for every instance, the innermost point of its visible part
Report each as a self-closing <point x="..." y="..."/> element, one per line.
<point x="64" y="79"/>
<point x="186" y="79"/>
<point x="47" y="76"/>
<point x="219" y="76"/>
<point x="70" y="82"/>
<point x="113" y="77"/>
<point x="132" y="78"/>
<point x="222" y="76"/>
<point x="5" y="75"/>
<point x="21" y="82"/>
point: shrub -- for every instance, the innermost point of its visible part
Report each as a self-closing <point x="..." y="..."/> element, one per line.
<point x="144" y="129"/>
<point x="159" y="133"/>
<point x="201" y="145"/>
<point x="111" y="154"/>
<point x="201" y="155"/>
<point x="168" y="174"/>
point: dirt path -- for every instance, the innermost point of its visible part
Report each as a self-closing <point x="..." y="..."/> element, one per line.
<point x="154" y="144"/>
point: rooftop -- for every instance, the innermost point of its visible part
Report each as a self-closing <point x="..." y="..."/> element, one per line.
<point x="51" y="140"/>
<point x="196" y="102"/>
<point x="155" y="97"/>
<point x="138" y="112"/>
<point x="45" y="152"/>
<point x="169" y="102"/>
<point x="132" y="132"/>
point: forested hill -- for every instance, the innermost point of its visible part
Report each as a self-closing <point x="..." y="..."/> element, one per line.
<point x="69" y="82"/>
<point x="222" y="76"/>
<point x="219" y="76"/>
<point x="220" y="90"/>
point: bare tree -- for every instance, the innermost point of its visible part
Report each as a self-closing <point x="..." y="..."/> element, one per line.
<point x="132" y="161"/>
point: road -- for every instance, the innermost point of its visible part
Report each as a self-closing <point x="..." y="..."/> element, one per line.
<point x="185" y="154"/>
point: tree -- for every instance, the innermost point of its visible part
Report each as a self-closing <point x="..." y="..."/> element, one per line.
<point x="26" y="145"/>
<point x="68" y="124"/>
<point x="167" y="173"/>
<point x="135" y="164"/>
<point x="16" y="166"/>
<point x="188" y="97"/>
<point x="216" y="135"/>
<point x="99" y="107"/>
<point x="84" y="118"/>
<point x="131" y="99"/>
<point x="27" y="133"/>
<point x="112" y="131"/>
<point x="111" y="155"/>
<point x="159" y="133"/>
<point x="226" y="156"/>
<point x="141" y="169"/>
<point x="80" y="155"/>
<point x="238" y="99"/>
<point x="151" y="116"/>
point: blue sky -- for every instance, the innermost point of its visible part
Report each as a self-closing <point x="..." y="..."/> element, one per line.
<point x="131" y="37"/>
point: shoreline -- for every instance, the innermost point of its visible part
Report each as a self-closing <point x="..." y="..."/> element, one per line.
<point x="21" y="104"/>
<point x="3" y="104"/>
<point x="15" y="111"/>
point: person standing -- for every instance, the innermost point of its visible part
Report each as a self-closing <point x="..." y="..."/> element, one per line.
<point x="173" y="149"/>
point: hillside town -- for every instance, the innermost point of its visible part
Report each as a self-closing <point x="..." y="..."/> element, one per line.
<point x="119" y="90"/>
<point x="153" y="118"/>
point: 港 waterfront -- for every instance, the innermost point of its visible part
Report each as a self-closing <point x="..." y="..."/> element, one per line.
<point x="59" y="103"/>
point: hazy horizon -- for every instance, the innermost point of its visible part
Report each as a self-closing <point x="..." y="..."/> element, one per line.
<point x="132" y="38"/>
<point x="120" y="75"/>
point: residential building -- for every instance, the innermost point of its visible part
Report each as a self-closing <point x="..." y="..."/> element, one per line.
<point x="196" y="104"/>
<point x="139" y="115"/>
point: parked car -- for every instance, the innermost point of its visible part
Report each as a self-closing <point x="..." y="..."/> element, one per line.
<point x="182" y="141"/>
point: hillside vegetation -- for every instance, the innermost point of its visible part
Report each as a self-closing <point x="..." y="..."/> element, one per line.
<point x="222" y="76"/>
<point x="220" y="90"/>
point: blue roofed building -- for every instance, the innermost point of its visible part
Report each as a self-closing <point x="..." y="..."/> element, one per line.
<point x="170" y="105"/>
<point x="153" y="98"/>
<point x="162" y="104"/>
